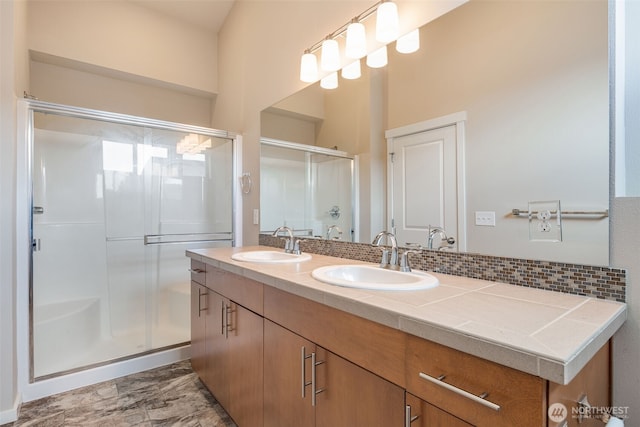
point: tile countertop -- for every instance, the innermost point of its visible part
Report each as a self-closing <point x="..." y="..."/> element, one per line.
<point x="544" y="333"/>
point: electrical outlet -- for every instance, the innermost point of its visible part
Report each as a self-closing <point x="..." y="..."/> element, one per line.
<point x="486" y="218"/>
<point x="256" y="216"/>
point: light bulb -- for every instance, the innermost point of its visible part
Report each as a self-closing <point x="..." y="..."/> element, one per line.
<point x="377" y="58"/>
<point x="409" y="43"/>
<point x="387" y="22"/>
<point x="330" y="56"/>
<point x="356" y="45"/>
<point x="352" y="71"/>
<point x="330" y="81"/>
<point x="308" y="67"/>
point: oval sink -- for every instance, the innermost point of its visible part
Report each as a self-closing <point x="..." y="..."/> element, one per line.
<point x="270" y="257"/>
<point x="373" y="277"/>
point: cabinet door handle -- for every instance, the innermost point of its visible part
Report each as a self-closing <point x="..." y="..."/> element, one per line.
<point x="481" y="399"/>
<point x="196" y="270"/>
<point x="408" y="419"/>
<point x="314" y="390"/>
<point x="200" y="295"/>
<point x="223" y="321"/>
<point x="303" y="375"/>
<point x="304" y="383"/>
<point x="228" y="324"/>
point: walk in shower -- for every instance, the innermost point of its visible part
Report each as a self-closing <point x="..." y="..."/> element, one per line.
<point x="307" y="188"/>
<point x="115" y="202"/>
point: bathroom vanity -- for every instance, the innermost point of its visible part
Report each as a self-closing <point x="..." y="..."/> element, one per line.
<point x="278" y="348"/>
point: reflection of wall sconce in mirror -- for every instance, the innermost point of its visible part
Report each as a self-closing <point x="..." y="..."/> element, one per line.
<point x="331" y="60"/>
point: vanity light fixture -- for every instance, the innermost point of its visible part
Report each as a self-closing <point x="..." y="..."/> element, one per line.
<point x="409" y="43"/>
<point x="387" y="26"/>
<point x="387" y="30"/>
<point x="309" y="67"/>
<point x="356" y="45"/>
<point x="330" y="55"/>
<point x="352" y="71"/>
<point x="330" y="81"/>
<point x="377" y="58"/>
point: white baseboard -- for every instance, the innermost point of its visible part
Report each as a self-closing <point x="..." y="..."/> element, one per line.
<point x="111" y="371"/>
<point x="10" y="415"/>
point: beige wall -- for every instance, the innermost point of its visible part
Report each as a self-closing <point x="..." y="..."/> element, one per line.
<point x="68" y="83"/>
<point x="126" y="37"/>
<point x="14" y="76"/>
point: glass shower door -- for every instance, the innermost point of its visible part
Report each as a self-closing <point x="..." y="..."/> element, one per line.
<point x="115" y="207"/>
<point x="189" y="205"/>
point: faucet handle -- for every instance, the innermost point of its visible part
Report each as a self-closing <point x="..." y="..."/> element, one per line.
<point x="295" y="246"/>
<point x="404" y="260"/>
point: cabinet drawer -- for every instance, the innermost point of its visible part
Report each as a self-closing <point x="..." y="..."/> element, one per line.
<point x="245" y="292"/>
<point x="198" y="270"/>
<point x="374" y="347"/>
<point x="476" y="390"/>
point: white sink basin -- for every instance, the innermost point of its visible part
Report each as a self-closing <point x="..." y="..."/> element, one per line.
<point x="270" y="257"/>
<point x="373" y="277"/>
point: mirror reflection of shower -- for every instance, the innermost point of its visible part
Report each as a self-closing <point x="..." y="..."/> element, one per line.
<point x="309" y="189"/>
<point x="117" y="205"/>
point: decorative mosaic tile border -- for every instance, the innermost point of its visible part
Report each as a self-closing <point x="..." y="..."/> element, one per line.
<point x="598" y="282"/>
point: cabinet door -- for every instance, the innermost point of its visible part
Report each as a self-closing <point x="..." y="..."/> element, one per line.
<point x="245" y="333"/>
<point x="423" y="414"/>
<point x="199" y="299"/>
<point x="216" y="376"/>
<point x="355" y="397"/>
<point x="285" y="373"/>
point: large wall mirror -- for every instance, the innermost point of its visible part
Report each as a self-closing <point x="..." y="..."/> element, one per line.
<point x="528" y="82"/>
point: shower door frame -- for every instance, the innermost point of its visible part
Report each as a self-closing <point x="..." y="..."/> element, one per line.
<point x="31" y="389"/>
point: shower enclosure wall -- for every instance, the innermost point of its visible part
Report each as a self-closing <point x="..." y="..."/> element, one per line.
<point x="115" y="202"/>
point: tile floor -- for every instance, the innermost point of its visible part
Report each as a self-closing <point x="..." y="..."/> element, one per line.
<point x="167" y="396"/>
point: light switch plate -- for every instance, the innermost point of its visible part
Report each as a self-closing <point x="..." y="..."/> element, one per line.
<point x="256" y="216"/>
<point x="486" y="218"/>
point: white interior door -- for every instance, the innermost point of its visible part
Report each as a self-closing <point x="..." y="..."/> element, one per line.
<point x="423" y="185"/>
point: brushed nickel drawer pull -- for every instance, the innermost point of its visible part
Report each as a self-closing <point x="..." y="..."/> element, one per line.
<point x="479" y="399"/>
<point x="196" y="270"/>
<point x="314" y="391"/>
<point x="408" y="419"/>
<point x="200" y="295"/>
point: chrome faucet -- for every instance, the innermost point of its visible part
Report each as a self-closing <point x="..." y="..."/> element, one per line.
<point x="387" y="262"/>
<point x="337" y="229"/>
<point x="291" y="245"/>
<point x="444" y="240"/>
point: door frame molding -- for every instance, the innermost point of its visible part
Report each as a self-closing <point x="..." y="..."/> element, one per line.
<point x="458" y="120"/>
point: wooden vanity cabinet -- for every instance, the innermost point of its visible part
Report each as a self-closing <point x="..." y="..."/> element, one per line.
<point x="199" y="303"/>
<point x="423" y="414"/>
<point x="478" y="391"/>
<point x="253" y="347"/>
<point x="345" y="394"/>
<point x="229" y="343"/>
